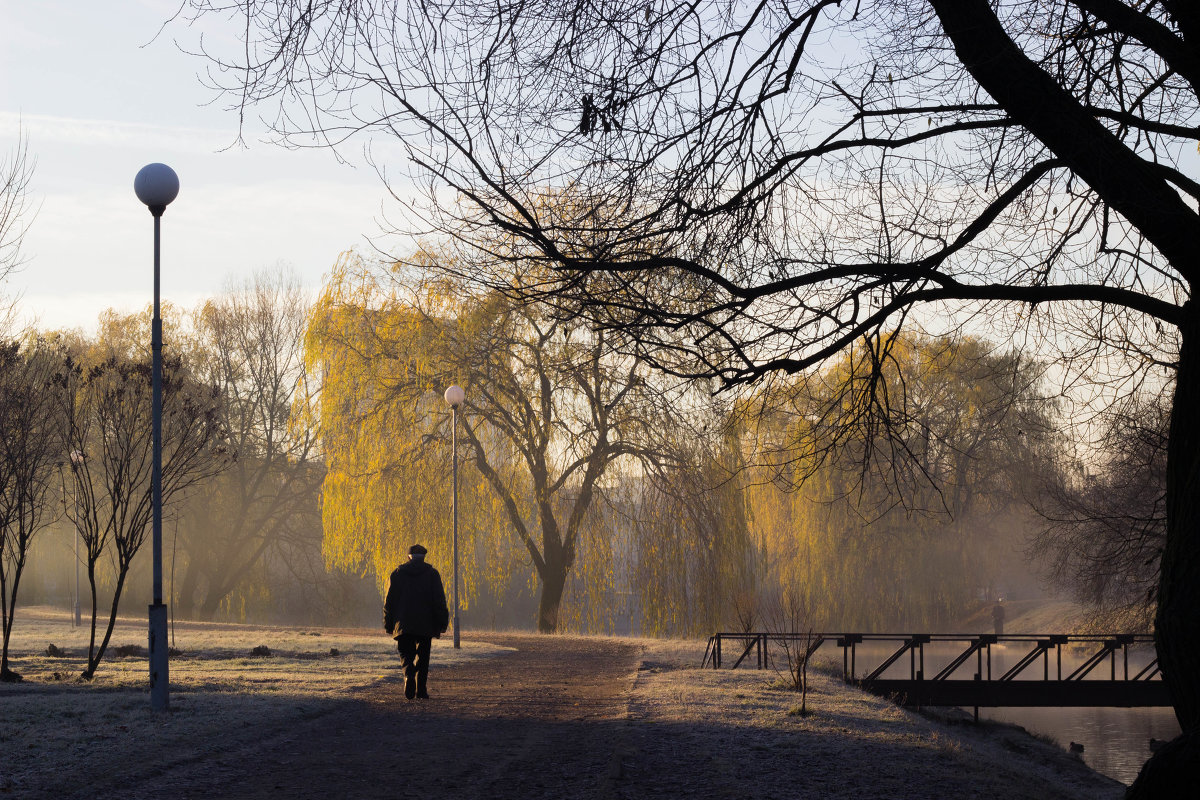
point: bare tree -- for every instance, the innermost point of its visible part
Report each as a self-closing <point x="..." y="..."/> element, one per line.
<point x="251" y="347"/>
<point x="1106" y="521"/>
<point x="791" y="179"/>
<point x="552" y="393"/>
<point x="16" y="211"/>
<point x="32" y="446"/>
<point x="791" y="621"/>
<point x="108" y="422"/>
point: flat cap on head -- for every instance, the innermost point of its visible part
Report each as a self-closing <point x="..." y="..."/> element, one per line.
<point x="417" y="550"/>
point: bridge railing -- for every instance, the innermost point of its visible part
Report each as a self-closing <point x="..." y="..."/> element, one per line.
<point x="964" y="658"/>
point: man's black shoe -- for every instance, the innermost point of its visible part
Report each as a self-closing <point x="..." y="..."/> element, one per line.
<point x="410" y="688"/>
<point x="422" y="695"/>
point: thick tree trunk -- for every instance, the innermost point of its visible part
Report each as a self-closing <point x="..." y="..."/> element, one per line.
<point x="554" y="580"/>
<point x="223" y="581"/>
<point x="1173" y="770"/>
<point x="1125" y="180"/>
<point x="1177" y="624"/>
<point x="208" y="609"/>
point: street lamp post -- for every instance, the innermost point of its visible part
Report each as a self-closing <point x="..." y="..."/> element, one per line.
<point x="76" y="462"/>
<point x="157" y="185"/>
<point x="455" y="397"/>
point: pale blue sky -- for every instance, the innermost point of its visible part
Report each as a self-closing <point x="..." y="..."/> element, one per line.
<point x="98" y="97"/>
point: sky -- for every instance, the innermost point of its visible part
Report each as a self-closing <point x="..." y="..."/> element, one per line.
<point x="99" y="92"/>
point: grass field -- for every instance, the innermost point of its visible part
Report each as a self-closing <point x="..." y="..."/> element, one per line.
<point x="212" y="657"/>
<point x="219" y="688"/>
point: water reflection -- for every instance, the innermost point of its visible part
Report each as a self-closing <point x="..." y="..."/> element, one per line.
<point x="1116" y="740"/>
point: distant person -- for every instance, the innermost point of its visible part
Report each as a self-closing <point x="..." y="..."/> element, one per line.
<point x="998" y="616"/>
<point x="416" y="611"/>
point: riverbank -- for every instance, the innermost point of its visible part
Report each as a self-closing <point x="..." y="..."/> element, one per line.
<point x="852" y="745"/>
<point x="654" y="724"/>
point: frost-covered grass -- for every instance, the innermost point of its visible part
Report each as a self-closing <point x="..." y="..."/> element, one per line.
<point x="220" y="692"/>
<point x="850" y="744"/>
<point x="212" y="657"/>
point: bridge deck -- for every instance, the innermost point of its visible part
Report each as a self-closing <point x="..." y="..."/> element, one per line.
<point x="1038" y="677"/>
<point x="991" y="694"/>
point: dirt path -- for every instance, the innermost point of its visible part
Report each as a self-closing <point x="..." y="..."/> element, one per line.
<point x="544" y="721"/>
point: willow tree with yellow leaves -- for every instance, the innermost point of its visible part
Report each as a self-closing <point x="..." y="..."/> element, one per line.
<point x="696" y="564"/>
<point x="552" y="415"/>
<point x="914" y="524"/>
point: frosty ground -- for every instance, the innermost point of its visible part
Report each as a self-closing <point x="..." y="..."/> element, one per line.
<point x="513" y="715"/>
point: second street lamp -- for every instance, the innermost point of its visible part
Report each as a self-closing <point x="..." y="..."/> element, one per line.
<point x="454" y="398"/>
<point x="157" y="185"/>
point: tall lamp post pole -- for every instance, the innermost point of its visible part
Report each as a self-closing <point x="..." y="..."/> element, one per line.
<point x="455" y="397"/>
<point x="76" y="461"/>
<point x="157" y="185"/>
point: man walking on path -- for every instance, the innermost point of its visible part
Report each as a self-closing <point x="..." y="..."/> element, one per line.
<point x="416" y="610"/>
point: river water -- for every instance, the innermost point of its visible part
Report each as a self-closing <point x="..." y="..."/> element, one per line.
<point x="1116" y="741"/>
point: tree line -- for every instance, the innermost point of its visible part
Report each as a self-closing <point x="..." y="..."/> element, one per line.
<point x="306" y="443"/>
<point x="241" y="470"/>
<point x="628" y="500"/>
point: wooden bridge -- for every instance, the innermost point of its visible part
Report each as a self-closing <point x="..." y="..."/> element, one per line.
<point x="963" y="670"/>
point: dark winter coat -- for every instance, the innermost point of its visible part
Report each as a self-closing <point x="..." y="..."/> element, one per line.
<point x="416" y="601"/>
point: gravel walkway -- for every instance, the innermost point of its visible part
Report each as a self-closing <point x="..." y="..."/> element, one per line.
<point x="538" y="722"/>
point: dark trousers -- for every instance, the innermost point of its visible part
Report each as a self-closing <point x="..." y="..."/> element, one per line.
<point x="414" y="656"/>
